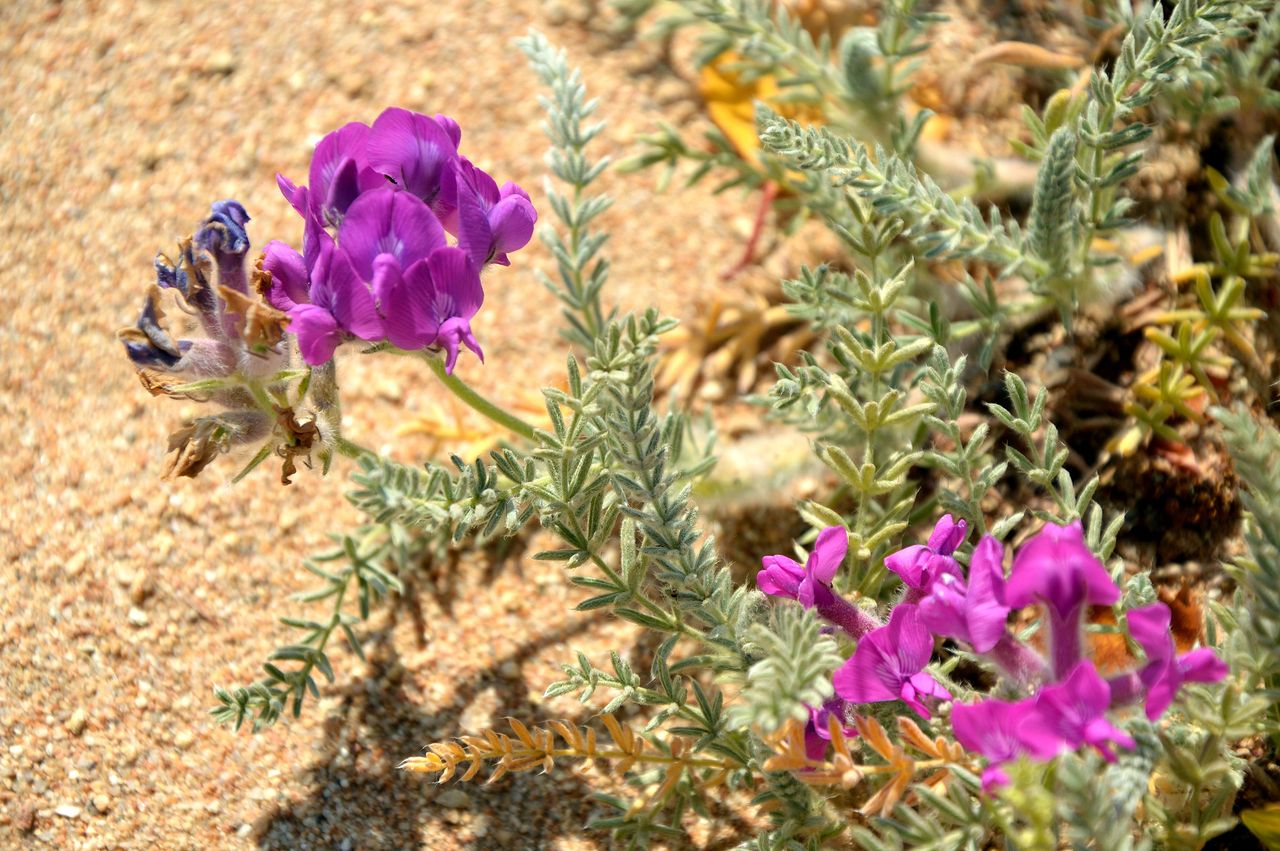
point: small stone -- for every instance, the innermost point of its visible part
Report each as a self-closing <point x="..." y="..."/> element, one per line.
<point x="76" y="563"/>
<point x="25" y="820"/>
<point x="184" y="739"/>
<point x="137" y="617"/>
<point x="76" y="723"/>
<point x="101" y="803"/>
<point x="221" y="62"/>
<point x="141" y="587"/>
<point x="454" y="799"/>
<point x="68" y="811"/>
<point x="510" y="670"/>
<point x="15" y="751"/>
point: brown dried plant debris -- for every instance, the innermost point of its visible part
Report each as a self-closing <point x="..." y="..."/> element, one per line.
<point x="844" y="770"/>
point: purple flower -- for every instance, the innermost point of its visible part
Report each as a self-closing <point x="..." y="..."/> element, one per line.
<point x="817" y="731"/>
<point x="991" y="729"/>
<point x="973" y="612"/>
<point x="888" y="664"/>
<point x="1071" y="714"/>
<point x="1057" y="569"/>
<point x="339" y="173"/>
<point x="921" y="566"/>
<point x="1166" y="671"/>
<point x="783" y="577"/>
<point x="811" y="584"/>
<point x="489" y="222"/>
<point x="416" y="152"/>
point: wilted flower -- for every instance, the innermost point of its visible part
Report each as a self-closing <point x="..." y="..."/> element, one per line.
<point x="888" y="664"/>
<point x="1166" y="671"/>
<point x="972" y="611"/>
<point x="1057" y="569"/>
<point x="920" y="566"/>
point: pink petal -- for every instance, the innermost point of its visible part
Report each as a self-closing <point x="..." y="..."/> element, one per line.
<point x="828" y="553"/>
<point x="317" y="332"/>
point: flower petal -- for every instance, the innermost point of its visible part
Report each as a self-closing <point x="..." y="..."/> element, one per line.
<point x="828" y="553"/>
<point x="947" y="535"/>
<point x="388" y="222"/>
<point x="317" y="332"/>
<point x="511" y="222"/>
<point x="288" y="276"/>
<point x="351" y="301"/>
<point x="405" y="323"/>
<point x="412" y="149"/>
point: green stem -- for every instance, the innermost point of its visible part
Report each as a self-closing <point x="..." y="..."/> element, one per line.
<point x="353" y="450"/>
<point x="477" y="402"/>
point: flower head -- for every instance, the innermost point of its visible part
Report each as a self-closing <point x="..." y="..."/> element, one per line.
<point x="783" y="577"/>
<point x="888" y="664"/>
<point x="1071" y="714"/>
<point x="1057" y="568"/>
<point x="489" y="222"/>
<point x="1166" y="671"/>
<point x="920" y="566"/>
<point x="972" y="611"/>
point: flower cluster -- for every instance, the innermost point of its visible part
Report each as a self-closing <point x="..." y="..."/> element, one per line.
<point x="1068" y="700"/>
<point x="375" y="262"/>
<point x="376" y="265"/>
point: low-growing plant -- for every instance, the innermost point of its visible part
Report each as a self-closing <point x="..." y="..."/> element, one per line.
<point x="1014" y="676"/>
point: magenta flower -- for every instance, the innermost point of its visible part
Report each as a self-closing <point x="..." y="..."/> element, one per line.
<point x="1071" y="714"/>
<point x="1166" y="671"/>
<point x="783" y="577"/>
<point x="416" y="152"/>
<point x="991" y="729"/>
<point x="974" y="611"/>
<point x="811" y="584"/>
<point x="888" y="664"/>
<point x="920" y="566"/>
<point x="817" y="730"/>
<point x="1057" y="569"/>
<point x="489" y="222"/>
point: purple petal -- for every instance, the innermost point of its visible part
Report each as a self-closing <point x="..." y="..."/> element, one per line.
<point x="947" y="535"/>
<point x="908" y="639"/>
<point x="413" y="150"/>
<point x="780" y="577"/>
<point x="475" y="236"/>
<point x="1149" y="627"/>
<point x="986" y="612"/>
<point x="351" y="302"/>
<point x="288" y="276"/>
<point x="456" y="282"/>
<point x="297" y="196"/>
<point x="1056" y="567"/>
<point x="828" y="553"/>
<point x="452" y="332"/>
<point x="511" y="223"/>
<point x="858" y="680"/>
<point x="909" y="564"/>
<point x="317" y="332"/>
<point x="993" y="778"/>
<point x="406" y="324"/>
<point x="388" y="222"/>
<point x="451" y="129"/>
<point x="347" y="143"/>
<point x="1202" y="665"/>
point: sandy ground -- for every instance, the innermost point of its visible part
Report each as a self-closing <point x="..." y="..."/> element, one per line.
<point x="126" y="598"/>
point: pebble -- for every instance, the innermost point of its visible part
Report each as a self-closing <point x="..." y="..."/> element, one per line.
<point x="68" y="811"/>
<point x="184" y="739"/>
<point x="102" y="803"/>
<point x="454" y="799"/>
<point x="137" y="617"/>
<point x="76" y="723"/>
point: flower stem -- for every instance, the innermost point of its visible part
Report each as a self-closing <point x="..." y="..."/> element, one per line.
<point x="353" y="450"/>
<point x="477" y="402"/>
